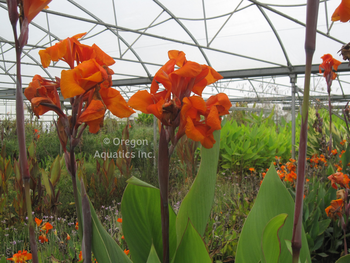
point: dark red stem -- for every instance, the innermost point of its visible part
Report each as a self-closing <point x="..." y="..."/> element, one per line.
<point x="163" y="177"/>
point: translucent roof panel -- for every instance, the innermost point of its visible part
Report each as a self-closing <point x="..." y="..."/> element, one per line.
<point x="255" y="45"/>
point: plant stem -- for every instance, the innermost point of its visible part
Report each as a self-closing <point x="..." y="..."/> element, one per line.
<point x="310" y="43"/>
<point x="22" y="148"/>
<point x="163" y="176"/>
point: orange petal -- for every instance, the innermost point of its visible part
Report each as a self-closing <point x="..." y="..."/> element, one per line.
<point x="156" y="109"/>
<point x="189" y="70"/>
<point x="80" y="79"/>
<point x="115" y="102"/>
<point x="213" y="119"/>
<point x="192" y="106"/>
<point x="141" y="100"/>
<point x="342" y="13"/>
<point x="94" y="111"/>
<point x="33" y="7"/>
<point x="162" y="76"/>
<point x="208" y="76"/>
<point x="179" y="56"/>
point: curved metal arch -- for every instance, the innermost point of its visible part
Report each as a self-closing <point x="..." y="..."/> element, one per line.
<point x="32" y="58"/>
<point x="115" y="33"/>
<point x="276" y="34"/>
<point x="184" y="28"/>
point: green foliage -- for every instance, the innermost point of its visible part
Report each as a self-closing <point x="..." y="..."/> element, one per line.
<point x="270" y="242"/>
<point x="144" y="119"/>
<point x="245" y="146"/>
<point x="103" y="245"/>
<point x="315" y="220"/>
<point x="142" y="222"/>
<point x="198" y="201"/>
<point x="273" y="199"/>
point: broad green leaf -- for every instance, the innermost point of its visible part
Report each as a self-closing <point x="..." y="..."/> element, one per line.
<point x="273" y="199"/>
<point x="3" y="260"/>
<point x="142" y="221"/>
<point x="345" y="259"/>
<point x="198" y="202"/>
<point x="191" y="248"/>
<point x="323" y="225"/>
<point x="104" y="247"/>
<point x="153" y="257"/>
<point x="270" y="242"/>
<point x="31" y="150"/>
<point x="45" y="178"/>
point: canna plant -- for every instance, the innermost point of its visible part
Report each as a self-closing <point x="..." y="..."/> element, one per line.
<point x="178" y="113"/>
<point x="88" y="86"/>
<point x="23" y="11"/>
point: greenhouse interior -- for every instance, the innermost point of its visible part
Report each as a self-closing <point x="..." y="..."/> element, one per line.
<point x="251" y="166"/>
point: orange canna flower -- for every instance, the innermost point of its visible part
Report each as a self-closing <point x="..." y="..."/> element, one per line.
<point x="339" y="178"/>
<point x="120" y="220"/>
<point x="32" y="7"/>
<point x="77" y="225"/>
<point x="90" y="81"/>
<point x="123" y="237"/>
<point x="43" y="238"/>
<point x="84" y="77"/>
<point x="21" y="257"/>
<point x="38" y="221"/>
<point x="174" y="106"/>
<point x="343" y="142"/>
<point x="43" y="96"/>
<point x="329" y="63"/>
<point x="70" y="50"/>
<point x="126" y="251"/>
<point x="68" y="237"/>
<point x="342" y="12"/>
<point x="252" y="169"/>
<point x="80" y="255"/>
<point x="47" y="226"/>
<point x="335" y="209"/>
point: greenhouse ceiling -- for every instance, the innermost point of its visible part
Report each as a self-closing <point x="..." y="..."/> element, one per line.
<point x="258" y="47"/>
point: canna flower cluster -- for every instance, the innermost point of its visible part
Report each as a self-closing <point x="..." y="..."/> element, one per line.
<point x="175" y="106"/>
<point x="44" y="229"/>
<point x="335" y="210"/>
<point x="339" y="178"/>
<point x="21" y="257"/>
<point x="87" y="84"/>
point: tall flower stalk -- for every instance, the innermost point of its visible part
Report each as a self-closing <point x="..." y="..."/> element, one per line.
<point x="28" y="9"/>
<point x="179" y="113"/>
<point x="310" y="43"/>
<point x="87" y="84"/>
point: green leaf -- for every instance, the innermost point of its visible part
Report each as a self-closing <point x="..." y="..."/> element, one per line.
<point x="198" y="202"/>
<point x="273" y="199"/>
<point x="3" y="260"/>
<point x="46" y="182"/>
<point x="153" y="257"/>
<point x="270" y="242"/>
<point x="31" y="150"/>
<point x="323" y="225"/>
<point x="104" y="247"/>
<point x="191" y="248"/>
<point x="344" y="259"/>
<point x="142" y="221"/>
